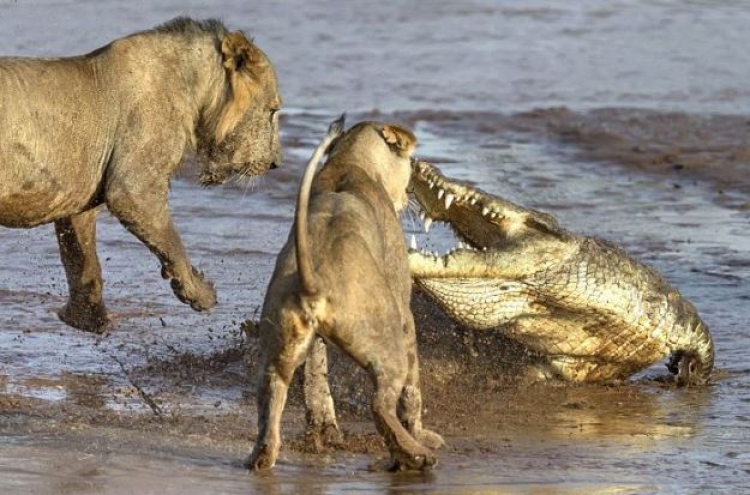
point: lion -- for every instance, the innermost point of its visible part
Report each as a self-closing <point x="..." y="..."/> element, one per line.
<point x="109" y="128"/>
<point x="343" y="275"/>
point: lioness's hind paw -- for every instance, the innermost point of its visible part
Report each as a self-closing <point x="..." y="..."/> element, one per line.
<point x="430" y="439"/>
<point x="422" y="461"/>
<point x="260" y="460"/>
<point x="318" y="439"/>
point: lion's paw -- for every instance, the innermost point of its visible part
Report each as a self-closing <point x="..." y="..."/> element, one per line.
<point x="200" y="294"/>
<point x="430" y="439"/>
<point x="86" y="317"/>
<point x="260" y="460"/>
<point x="421" y="460"/>
<point x="318" y="439"/>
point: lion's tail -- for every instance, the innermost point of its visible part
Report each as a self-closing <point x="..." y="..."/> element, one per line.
<point x="308" y="281"/>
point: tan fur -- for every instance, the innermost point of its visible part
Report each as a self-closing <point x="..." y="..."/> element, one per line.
<point x="245" y="64"/>
<point x="357" y="295"/>
<point x="110" y="127"/>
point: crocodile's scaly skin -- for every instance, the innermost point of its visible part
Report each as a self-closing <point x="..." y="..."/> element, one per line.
<point x="594" y="312"/>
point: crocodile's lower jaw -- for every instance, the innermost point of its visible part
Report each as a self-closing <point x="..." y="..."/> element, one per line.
<point x="478" y="303"/>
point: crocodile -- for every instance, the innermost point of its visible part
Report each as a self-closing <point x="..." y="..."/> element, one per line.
<point x="595" y="313"/>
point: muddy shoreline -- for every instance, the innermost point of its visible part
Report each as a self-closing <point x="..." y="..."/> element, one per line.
<point x="476" y="393"/>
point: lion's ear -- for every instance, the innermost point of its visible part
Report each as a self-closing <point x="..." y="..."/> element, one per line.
<point x="239" y="53"/>
<point x="400" y="139"/>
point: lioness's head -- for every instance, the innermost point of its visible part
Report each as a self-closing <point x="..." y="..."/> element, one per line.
<point x="239" y="131"/>
<point x="384" y="151"/>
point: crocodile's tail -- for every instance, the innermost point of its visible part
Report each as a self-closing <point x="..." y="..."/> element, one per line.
<point x="693" y="364"/>
<point x="309" y="284"/>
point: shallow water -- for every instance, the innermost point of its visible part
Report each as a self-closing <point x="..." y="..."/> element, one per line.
<point x="481" y="55"/>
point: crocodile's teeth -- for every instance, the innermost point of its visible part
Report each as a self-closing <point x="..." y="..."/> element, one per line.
<point x="431" y="183"/>
<point x="441" y="192"/>
<point x="485" y="210"/>
<point x="427" y="224"/>
<point x="449" y="200"/>
<point x="422" y="215"/>
<point x="413" y="243"/>
<point x="473" y="201"/>
<point x="493" y="215"/>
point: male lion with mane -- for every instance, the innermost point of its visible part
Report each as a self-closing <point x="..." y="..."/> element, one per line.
<point x="111" y="127"/>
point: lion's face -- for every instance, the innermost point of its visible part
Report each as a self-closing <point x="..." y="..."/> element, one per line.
<point x="242" y="136"/>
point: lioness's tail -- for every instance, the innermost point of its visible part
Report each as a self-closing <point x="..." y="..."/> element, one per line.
<point x="307" y="278"/>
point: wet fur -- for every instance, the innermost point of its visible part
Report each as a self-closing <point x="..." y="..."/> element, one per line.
<point x="352" y="288"/>
<point x="110" y="127"/>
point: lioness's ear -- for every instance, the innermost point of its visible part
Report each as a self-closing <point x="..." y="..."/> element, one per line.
<point x="399" y="139"/>
<point x="239" y="53"/>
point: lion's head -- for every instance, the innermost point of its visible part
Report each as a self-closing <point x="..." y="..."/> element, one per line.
<point x="239" y="131"/>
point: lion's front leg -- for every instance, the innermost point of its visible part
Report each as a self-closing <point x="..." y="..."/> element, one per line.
<point x="146" y="215"/>
<point x="76" y="236"/>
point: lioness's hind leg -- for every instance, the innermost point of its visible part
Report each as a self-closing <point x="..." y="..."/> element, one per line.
<point x="406" y="451"/>
<point x="386" y="362"/>
<point x="410" y="411"/>
<point x="76" y="237"/>
<point x="283" y="353"/>
<point x="322" y="428"/>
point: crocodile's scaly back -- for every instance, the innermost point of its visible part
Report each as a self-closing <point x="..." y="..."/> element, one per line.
<point x="597" y="313"/>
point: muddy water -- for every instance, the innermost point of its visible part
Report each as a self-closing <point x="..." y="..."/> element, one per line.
<point x="162" y="403"/>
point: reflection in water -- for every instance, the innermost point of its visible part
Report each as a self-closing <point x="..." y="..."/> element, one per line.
<point x="633" y="417"/>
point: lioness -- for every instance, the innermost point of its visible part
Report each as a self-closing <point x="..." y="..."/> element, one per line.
<point x="110" y="128"/>
<point x="343" y="275"/>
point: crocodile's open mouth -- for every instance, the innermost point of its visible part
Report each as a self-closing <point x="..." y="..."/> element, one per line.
<point x="462" y="280"/>
<point x="481" y="221"/>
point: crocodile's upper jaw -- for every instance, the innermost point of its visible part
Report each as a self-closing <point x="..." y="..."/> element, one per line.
<point x="479" y="219"/>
